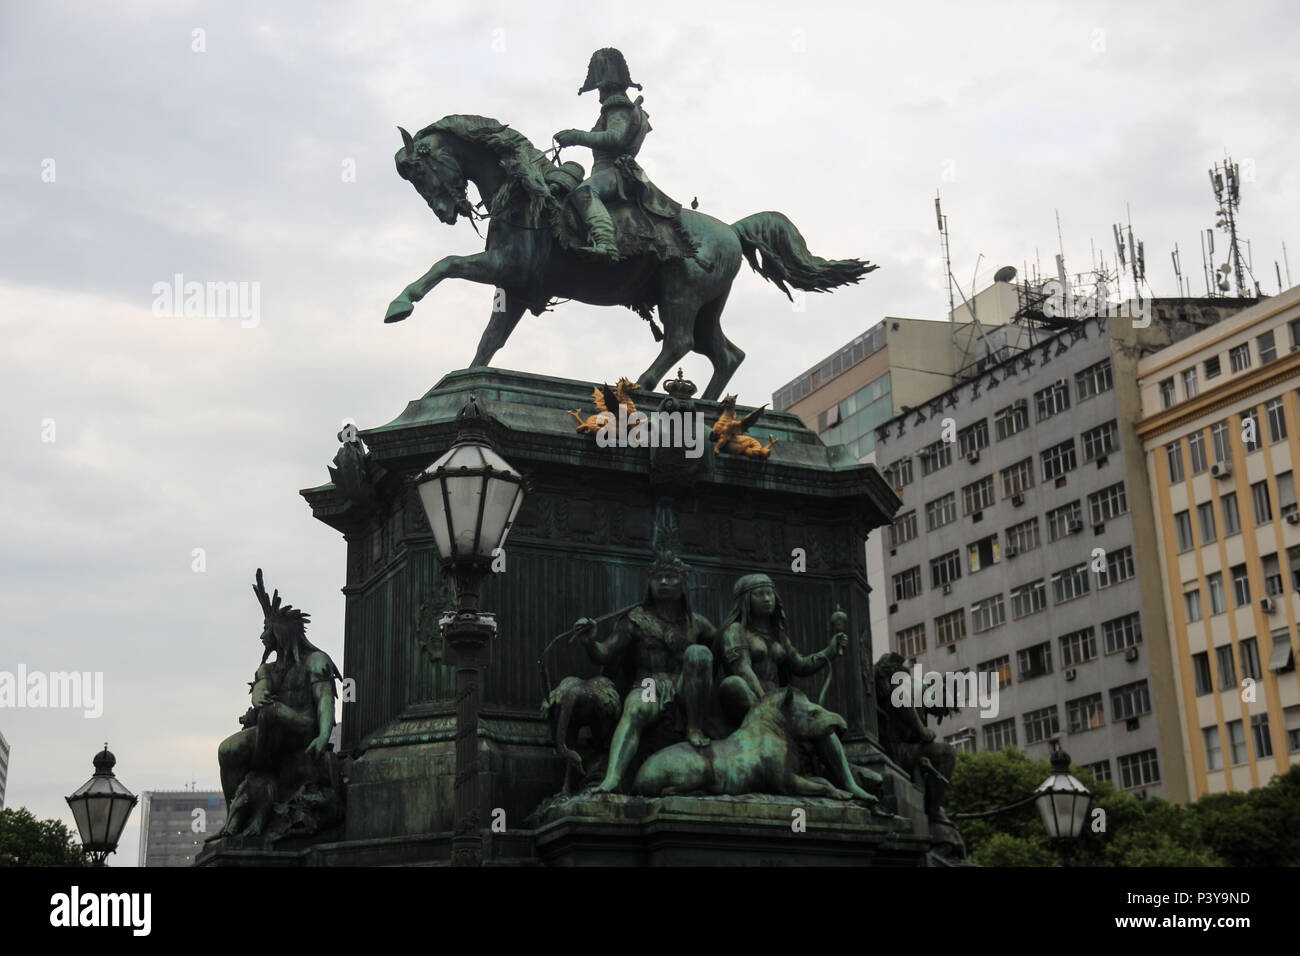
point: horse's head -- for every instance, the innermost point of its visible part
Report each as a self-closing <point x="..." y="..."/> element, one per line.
<point x="435" y="174"/>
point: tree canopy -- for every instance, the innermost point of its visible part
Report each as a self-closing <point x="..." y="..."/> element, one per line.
<point x="27" y="841"/>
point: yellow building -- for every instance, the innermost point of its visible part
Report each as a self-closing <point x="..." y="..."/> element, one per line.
<point x="1220" y="429"/>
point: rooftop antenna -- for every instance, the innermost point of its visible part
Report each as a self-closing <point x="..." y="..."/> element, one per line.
<point x="1178" y="269"/>
<point x="1207" y="236"/>
<point x="942" y="221"/>
<point x="1286" y="262"/>
<point x="1225" y="179"/>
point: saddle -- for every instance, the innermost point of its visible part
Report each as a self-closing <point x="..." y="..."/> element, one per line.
<point x="647" y="223"/>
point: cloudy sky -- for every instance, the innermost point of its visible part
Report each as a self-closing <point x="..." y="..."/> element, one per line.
<point x="253" y="143"/>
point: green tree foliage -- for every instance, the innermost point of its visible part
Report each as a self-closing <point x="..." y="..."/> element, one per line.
<point x="27" y="841"/>
<point x="1127" y="831"/>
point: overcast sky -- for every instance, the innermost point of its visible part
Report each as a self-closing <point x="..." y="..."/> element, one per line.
<point x="134" y="149"/>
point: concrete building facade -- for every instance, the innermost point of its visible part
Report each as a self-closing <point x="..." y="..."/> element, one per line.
<point x="1220" y="433"/>
<point x="174" y="824"/>
<point x="1025" y="549"/>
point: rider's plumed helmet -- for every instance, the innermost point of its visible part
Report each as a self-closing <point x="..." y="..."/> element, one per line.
<point x="607" y="68"/>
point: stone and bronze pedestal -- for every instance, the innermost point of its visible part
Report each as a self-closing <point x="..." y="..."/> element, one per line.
<point x="591" y="521"/>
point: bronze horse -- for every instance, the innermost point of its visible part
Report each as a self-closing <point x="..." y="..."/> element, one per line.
<point x="530" y="265"/>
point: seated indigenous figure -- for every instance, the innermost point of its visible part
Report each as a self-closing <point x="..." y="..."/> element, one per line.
<point x="663" y="647"/>
<point x="277" y="773"/>
<point x="760" y="658"/>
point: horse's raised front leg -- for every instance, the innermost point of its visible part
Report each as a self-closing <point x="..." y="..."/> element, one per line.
<point x="482" y="267"/>
<point x="499" y="327"/>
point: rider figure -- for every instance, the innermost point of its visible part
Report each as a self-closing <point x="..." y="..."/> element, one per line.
<point x="614" y="142"/>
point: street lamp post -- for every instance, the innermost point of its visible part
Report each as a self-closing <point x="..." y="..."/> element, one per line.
<point x="101" y="806"/>
<point x="471" y="496"/>
<point x="1062" y="802"/>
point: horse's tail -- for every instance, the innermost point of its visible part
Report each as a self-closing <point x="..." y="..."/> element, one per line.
<point x="786" y="257"/>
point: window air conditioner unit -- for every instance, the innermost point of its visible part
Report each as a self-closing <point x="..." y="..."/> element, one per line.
<point x="1293" y="518"/>
<point x="973" y="457"/>
<point x="1075" y="527"/>
<point x="1017" y="499"/>
<point x="952" y="648"/>
<point x="1266" y="603"/>
<point x="1102" y="460"/>
<point x="1220" y="469"/>
<point x="1132" y="724"/>
<point x="947" y="589"/>
<point x="1099" y="528"/>
<point x="1071" y="673"/>
<point x="1131" y="654"/>
<point x="1012" y="551"/>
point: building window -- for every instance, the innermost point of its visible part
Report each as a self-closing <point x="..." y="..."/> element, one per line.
<point x="999" y="735"/>
<point x="1212" y="367"/>
<point x="1139" y="770"/>
<point x="1192" y="603"/>
<point x="950" y="628"/>
<point x="1078" y="647"/>
<point x="1183" y="525"/>
<point x="1099" y="770"/>
<point x="1065" y="520"/>
<point x="1131" y="700"/>
<point x="1018" y="478"/>
<point x="1085" y="713"/>
<point x="1241" y="585"/>
<point x="1286" y="493"/>
<point x="1108" y="503"/>
<point x="945" y="569"/>
<point x="1213" y="748"/>
<point x="1070" y="583"/>
<point x="1034" y="661"/>
<point x="941" y="511"/>
<point x="911" y="641"/>
<point x="934" y="456"/>
<point x="983" y="553"/>
<point x="1119" y="567"/>
<point x="1189" y="383"/>
<point x="1219" y="436"/>
<point x="963" y="741"/>
<point x="1023" y="537"/>
<point x="907" y="584"/>
<point x="1227" y="667"/>
<point x="1174" y="458"/>
<point x="903" y="529"/>
<point x="1263" y="506"/>
<point x="901" y="472"/>
<point x="1250" y="430"/>
<point x="1028" y="599"/>
<point x="1292" y="719"/>
<point x="1122" y="632"/>
<point x="973" y="438"/>
<point x="1100" y="441"/>
<point x="978" y="495"/>
<point x="1218" y="604"/>
<point x="1276" y="420"/>
<point x="1052" y="400"/>
<point x="1272" y="576"/>
<point x="1094" y="380"/>
<point x="1058" y="459"/>
<point x="988" y="614"/>
<point x="1196" y="452"/>
<point x="1237" y="740"/>
<point x="1001" y="666"/>
<point x="1010" y="420"/>
<point x="1042" y="724"/>
<point x="1205" y="512"/>
<point x="1167" y="393"/>
<point x="1267" y="348"/>
<point x="1239" y="357"/>
<point x="1201" y="670"/>
<point x="1249" y="653"/>
<point x="1263" y="739"/>
<point x="1231" y="517"/>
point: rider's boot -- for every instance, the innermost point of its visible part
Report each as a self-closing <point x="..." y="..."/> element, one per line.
<point x="600" y="232"/>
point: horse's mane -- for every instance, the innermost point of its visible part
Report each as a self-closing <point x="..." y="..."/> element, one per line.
<point x="523" y="163"/>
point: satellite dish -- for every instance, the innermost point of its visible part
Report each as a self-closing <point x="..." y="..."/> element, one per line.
<point x="1005" y="274"/>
